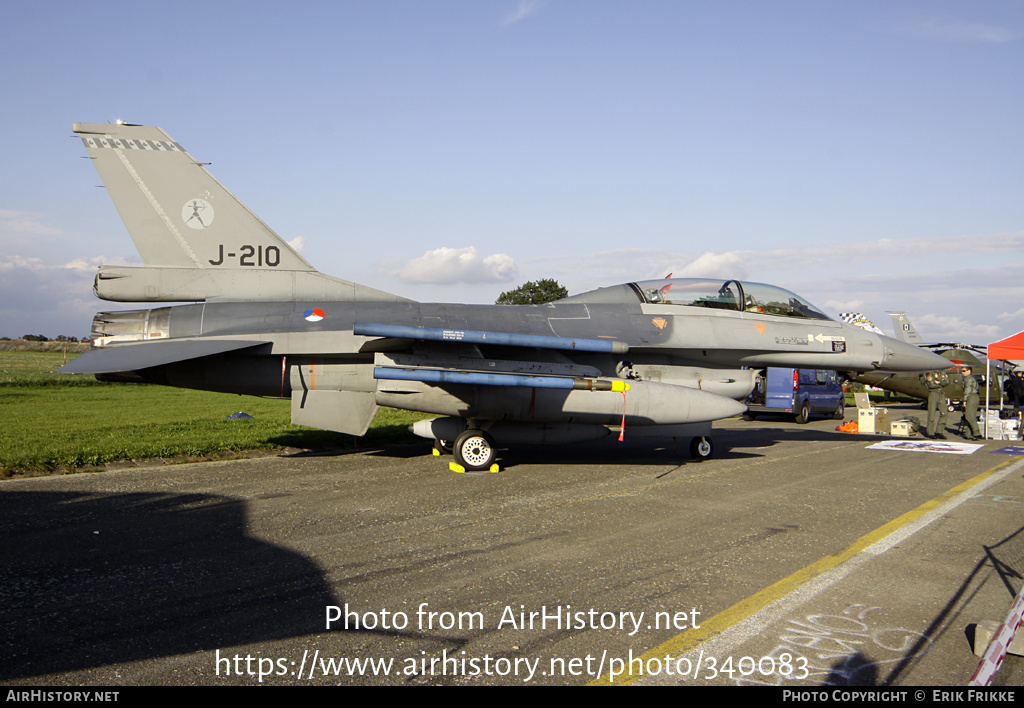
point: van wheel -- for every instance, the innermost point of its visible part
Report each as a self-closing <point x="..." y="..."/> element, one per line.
<point x="805" y="413"/>
<point x="840" y="412"/>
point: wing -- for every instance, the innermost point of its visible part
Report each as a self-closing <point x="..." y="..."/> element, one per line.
<point x="123" y="358"/>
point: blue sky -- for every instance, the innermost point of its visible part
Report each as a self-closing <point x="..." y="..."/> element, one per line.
<point x="867" y="155"/>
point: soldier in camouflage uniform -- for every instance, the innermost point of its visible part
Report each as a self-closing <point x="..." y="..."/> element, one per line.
<point x="936" y="382"/>
<point x="970" y="403"/>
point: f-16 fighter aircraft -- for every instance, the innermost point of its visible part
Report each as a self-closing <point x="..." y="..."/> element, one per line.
<point x="266" y="323"/>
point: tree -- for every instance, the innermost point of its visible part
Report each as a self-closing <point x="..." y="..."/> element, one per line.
<point x="535" y="292"/>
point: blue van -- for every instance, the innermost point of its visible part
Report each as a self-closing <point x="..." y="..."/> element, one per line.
<point x="800" y="392"/>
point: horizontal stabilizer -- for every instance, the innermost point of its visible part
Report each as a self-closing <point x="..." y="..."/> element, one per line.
<point x="134" y="357"/>
<point x="130" y="284"/>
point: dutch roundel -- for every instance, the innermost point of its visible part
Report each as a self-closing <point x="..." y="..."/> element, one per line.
<point x="313" y="314"/>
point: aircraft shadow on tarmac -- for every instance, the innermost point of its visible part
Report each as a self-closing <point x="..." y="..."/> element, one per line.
<point x="319" y="443"/>
<point x="393" y="441"/>
<point x="730" y="444"/>
<point x="91" y="580"/>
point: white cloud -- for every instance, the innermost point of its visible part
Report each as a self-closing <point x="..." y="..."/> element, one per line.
<point x="41" y="298"/>
<point x="9" y="263"/>
<point x="51" y="298"/>
<point x="845" y="305"/>
<point x="946" y="305"/>
<point x="714" y="265"/>
<point x="962" y="328"/>
<point x="873" y="257"/>
<point x="523" y="10"/>
<point x="997" y="283"/>
<point x="455" y="265"/>
<point x="951" y="29"/>
<point x="911" y="249"/>
<point x="298" y="243"/>
<point x="90" y="265"/>
<point x="21" y="227"/>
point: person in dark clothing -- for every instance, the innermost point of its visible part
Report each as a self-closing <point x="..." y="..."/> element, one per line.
<point x="1014" y="389"/>
<point x="936" y="382"/>
<point x="970" y="415"/>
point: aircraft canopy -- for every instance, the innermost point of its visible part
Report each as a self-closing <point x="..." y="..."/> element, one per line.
<point x="730" y="295"/>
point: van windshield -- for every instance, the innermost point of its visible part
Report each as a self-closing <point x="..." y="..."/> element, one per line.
<point x="729" y="295"/>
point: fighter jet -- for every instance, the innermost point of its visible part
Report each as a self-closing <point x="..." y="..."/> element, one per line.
<point x="662" y="355"/>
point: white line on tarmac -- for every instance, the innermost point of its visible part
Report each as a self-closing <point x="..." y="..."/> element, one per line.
<point x="724" y="643"/>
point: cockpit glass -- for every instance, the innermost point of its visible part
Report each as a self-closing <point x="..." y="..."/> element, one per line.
<point x="728" y="295"/>
<point x="771" y="300"/>
<point x="694" y="293"/>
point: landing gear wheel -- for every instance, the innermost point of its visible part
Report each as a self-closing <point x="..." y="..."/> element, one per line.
<point x="805" y="413"/>
<point x="474" y="450"/>
<point x="443" y="446"/>
<point x="748" y="416"/>
<point x="840" y="412"/>
<point x="701" y="448"/>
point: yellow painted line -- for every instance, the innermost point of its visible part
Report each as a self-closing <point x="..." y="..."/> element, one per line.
<point x="682" y="643"/>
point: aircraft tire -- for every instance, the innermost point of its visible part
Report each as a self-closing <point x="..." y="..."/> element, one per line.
<point x="701" y="448"/>
<point x="443" y="446"/>
<point x="805" y="413"/>
<point x="475" y="450"/>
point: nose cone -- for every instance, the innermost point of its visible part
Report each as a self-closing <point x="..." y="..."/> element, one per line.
<point x="900" y="356"/>
<point x="715" y="407"/>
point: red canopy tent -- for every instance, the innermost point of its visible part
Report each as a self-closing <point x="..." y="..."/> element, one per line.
<point x="1010" y="348"/>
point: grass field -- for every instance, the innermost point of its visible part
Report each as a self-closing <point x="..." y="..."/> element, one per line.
<point x="53" y="422"/>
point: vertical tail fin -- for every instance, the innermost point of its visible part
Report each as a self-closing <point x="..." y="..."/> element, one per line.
<point x="905" y="331"/>
<point x="860" y="320"/>
<point x="177" y="214"/>
<point x="197" y="240"/>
